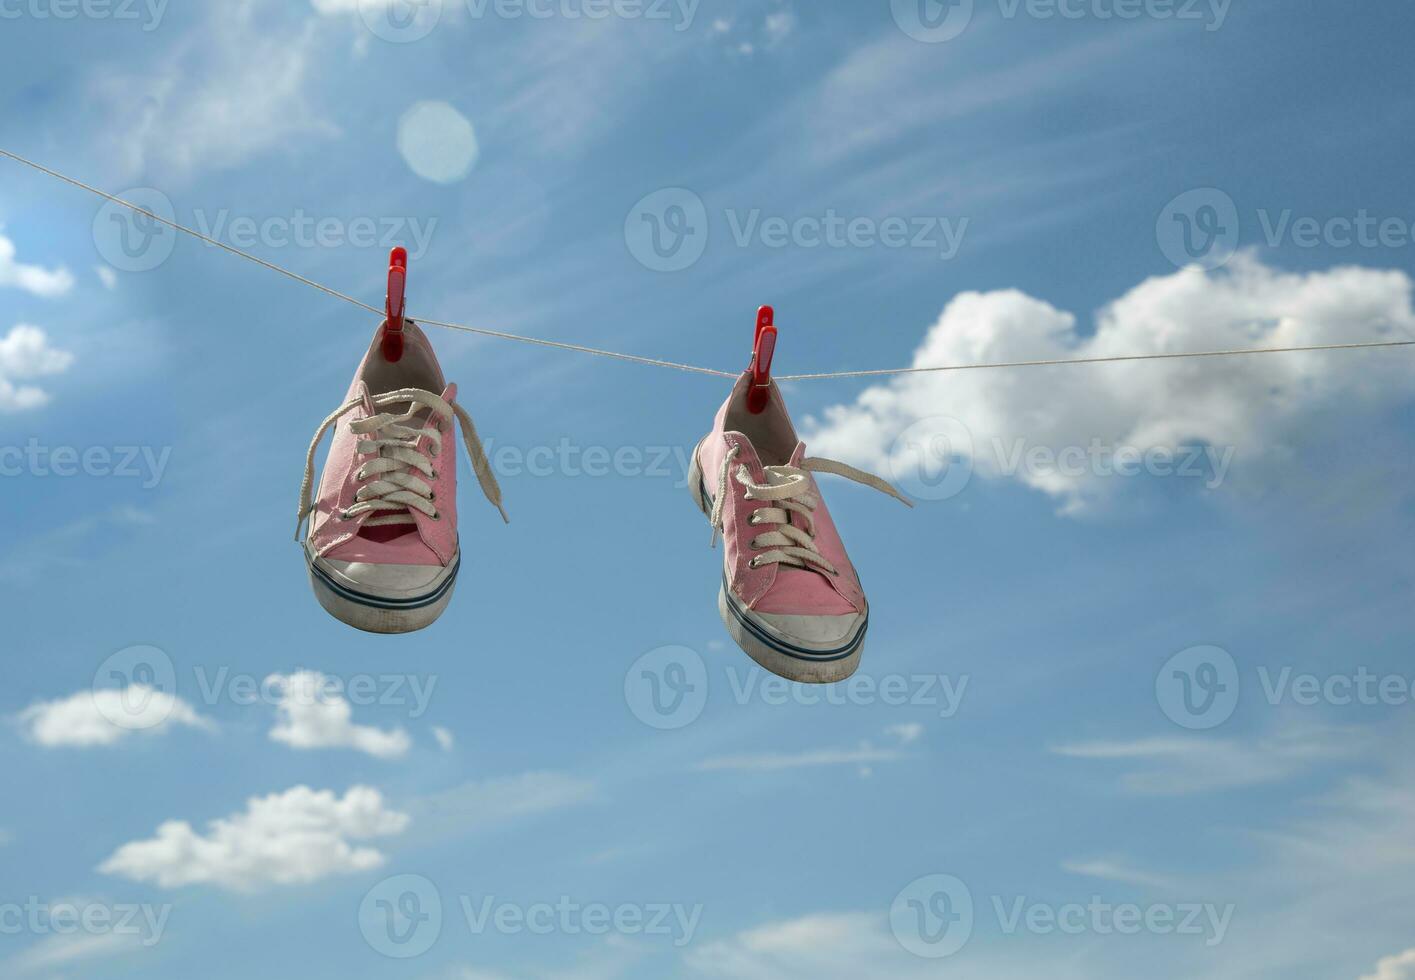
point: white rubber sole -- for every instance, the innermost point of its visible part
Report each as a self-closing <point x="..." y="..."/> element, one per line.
<point x="381" y="614"/>
<point x="792" y="660"/>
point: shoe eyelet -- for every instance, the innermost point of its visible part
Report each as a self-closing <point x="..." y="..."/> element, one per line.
<point x="754" y="564"/>
<point x="432" y="475"/>
<point x="432" y="495"/>
<point x="437" y="517"/>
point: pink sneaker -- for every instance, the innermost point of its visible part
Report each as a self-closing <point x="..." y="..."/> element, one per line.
<point x="789" y="595"/>
<point x="382" y="544"/>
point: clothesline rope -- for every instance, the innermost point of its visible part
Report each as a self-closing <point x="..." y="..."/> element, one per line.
<point x="656" y="362"/>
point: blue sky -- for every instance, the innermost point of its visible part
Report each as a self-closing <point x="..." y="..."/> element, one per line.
<point x="1018" y="775"/>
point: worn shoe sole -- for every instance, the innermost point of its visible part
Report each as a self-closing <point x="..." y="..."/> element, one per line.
<point x="804" y="663"/>
<point x="380" y="613"/>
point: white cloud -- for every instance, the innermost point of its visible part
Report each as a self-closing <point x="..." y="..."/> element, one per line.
<point x="444" y="738"/>
<point x="772" y="761"/>
<point x="107" y="276"/>
<point x="25" y="353"/>
<point x="290" y="838"/>
<point x="62" y="951"/>
<point x="31" y="278"/>
<point x="1109" y="869"/>
<point x="1180" y="764"/>
<point x="1263" y="406"/>
<point x="823" y="945"/>
<point x="226" y="93"/>
<point x="908" y="732"/>
<point x="490" y="803"/>
<point x="106" y="716"/>
<point x="850" y="945"/>
<point x="1398" y="967"/>
<point x="313" y="715"/>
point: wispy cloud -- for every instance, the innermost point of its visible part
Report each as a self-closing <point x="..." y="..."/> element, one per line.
<point x="1173" y="765"/>
<point x="1109" y="869"/>
<point x="231" y="90"/>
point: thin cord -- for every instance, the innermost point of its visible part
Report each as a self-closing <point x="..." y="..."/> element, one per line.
<point x="655" y="362"/>
<point x="1094" y="360"/>
<point x="633" y="358"/>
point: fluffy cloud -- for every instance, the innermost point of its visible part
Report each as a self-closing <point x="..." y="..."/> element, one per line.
<point x="31" y="278"/>
<point x="1398" y="967"/>
<point x="315" y="716"/>
<point x="290" y="838"/>
<point x="106" y="716"/>
<point x="25" y="353"/>
<point x="1262" y="407"/>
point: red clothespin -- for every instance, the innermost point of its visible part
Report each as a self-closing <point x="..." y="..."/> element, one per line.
<point x="393" y="305"/>
<point x="763" y="346"/>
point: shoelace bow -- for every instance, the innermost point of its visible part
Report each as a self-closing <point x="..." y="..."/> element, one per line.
<point x="786" y="543"/>
<point x="396" y="487"/>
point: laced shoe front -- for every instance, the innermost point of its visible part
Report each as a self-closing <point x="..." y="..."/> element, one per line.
<point x="789" y="596"/>
<point x="382" y="544"/>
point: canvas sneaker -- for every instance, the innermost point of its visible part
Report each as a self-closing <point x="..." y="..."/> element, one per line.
<point x="789" y="595"/>
<point x="382" y="545"/>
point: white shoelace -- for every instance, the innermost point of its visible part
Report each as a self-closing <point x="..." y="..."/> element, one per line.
<point x="789" y="488"/>
<point x="398" y="489"/>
